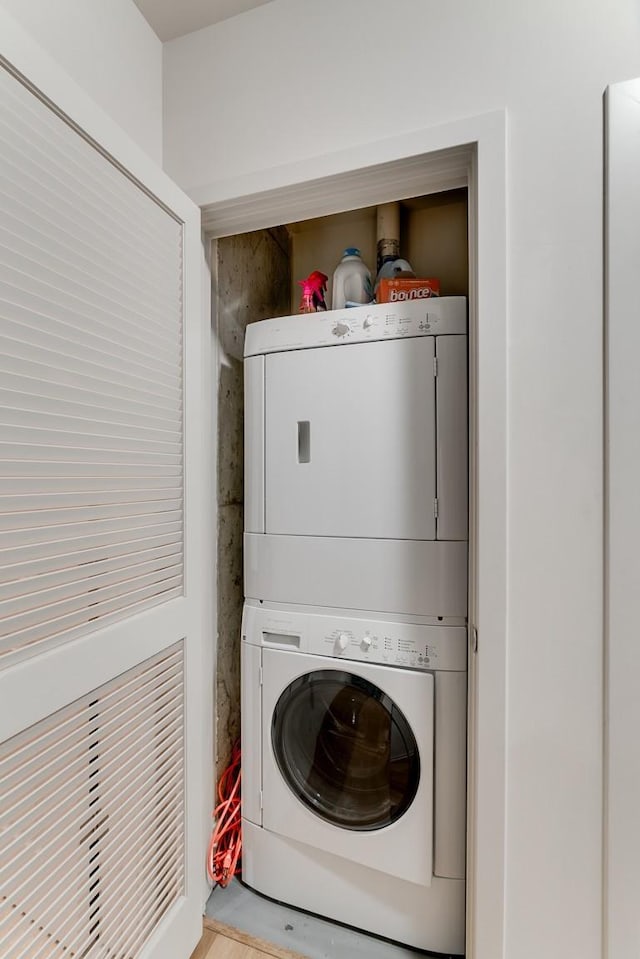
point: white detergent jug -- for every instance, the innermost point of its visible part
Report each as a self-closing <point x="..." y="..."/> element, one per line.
<point x="351" y="281"/>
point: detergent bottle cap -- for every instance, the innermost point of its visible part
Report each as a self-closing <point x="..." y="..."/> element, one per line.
<point x="351" y="251"/>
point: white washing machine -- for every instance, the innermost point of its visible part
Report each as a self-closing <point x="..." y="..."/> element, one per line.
<point x="354" y="769"/>
<point x="356" y="458"/>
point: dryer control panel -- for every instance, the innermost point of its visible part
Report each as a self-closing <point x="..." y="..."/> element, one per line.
<point x="436" y="316"/>
<point x="390" y="643"/>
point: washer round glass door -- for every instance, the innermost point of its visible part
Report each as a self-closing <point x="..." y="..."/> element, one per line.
<point x="345" y="749"/>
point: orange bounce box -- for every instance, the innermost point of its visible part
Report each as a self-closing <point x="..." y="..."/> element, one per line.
<point x="397" y="290"/>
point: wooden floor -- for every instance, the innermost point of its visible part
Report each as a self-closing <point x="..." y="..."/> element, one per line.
<point x="220" y="941"/>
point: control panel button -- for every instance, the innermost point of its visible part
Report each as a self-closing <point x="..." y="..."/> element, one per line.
<point x="342" y="642"/>
<point x="341" y="329"/>
<point x="366" y="643"/>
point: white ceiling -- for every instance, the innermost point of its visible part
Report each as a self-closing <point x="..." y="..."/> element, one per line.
<point x="174" y="18"/>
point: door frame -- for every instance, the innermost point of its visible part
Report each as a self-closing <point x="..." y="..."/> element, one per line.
<point x="69" y="671"/>
<point x="622" y="522"/>
<point x="469" y="152"/>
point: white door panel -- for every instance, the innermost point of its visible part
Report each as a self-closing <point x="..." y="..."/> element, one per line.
<point x="103" y="506"/>
<point x="350" y="441"/>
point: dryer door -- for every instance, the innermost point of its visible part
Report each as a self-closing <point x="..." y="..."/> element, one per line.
<point x="348" y="751"/>
<point x="350" y="440"/>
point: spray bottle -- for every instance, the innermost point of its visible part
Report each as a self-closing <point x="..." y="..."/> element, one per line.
<point x="313" y="290"/>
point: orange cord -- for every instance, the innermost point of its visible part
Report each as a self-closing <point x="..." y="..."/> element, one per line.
<point x="223" y="857"/>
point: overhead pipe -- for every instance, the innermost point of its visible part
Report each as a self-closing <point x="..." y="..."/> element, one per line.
<point x="387" y="233"/>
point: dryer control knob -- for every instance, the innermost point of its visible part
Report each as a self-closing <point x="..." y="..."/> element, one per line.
<point x="342" y="642"/>
<point x="366" y="642"/>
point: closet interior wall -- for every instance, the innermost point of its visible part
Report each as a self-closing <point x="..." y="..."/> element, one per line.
<point x="251" y="278"/>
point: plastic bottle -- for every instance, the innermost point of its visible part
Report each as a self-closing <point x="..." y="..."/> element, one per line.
<point x="313" y="289"/>
<point x="391" y="268"/>
<point x="351" y="281"/>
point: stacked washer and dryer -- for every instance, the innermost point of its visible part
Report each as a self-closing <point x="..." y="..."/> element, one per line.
<point x="354" y="640"/>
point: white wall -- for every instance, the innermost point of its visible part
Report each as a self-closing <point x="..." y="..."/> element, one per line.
<point x="293" y="80"/>
<point x="109" y="49"/>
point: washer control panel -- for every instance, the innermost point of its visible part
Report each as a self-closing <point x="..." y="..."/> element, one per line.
<point x="407" y="645"/>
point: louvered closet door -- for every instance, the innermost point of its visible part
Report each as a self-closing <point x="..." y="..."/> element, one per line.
<point x="101" y="552"/>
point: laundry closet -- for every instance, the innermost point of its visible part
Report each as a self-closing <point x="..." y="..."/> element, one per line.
<point x="317" y="591"/>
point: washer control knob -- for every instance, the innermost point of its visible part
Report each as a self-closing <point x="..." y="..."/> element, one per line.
<point x="342" y="642"/>
<point x="366" y="643"/>
<point x="368" y="323"/>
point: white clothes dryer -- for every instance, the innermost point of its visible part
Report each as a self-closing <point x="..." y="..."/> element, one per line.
<point x="356" y="458"/>
<point x="354" y="769"/>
